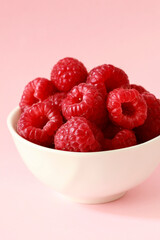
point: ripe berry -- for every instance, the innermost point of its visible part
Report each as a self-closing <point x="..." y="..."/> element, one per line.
<point x="67" y="73"/>
<point x="78" y="135"/>
<point x="85" y="100"/>
<point x="35" y="91"/>
<point x="111" y="76"/>
<point x="57" y="99"/>
<point x="139" y="88"/>
<point x="126" y="107"/>
<point x="151" y="127"/>
<point x="124" y="138"/>
<point x="111" y="130"/>
<point x="39" y="123"/>
<point x="101" y="88"/>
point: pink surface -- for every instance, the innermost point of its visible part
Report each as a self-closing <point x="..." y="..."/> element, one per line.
<point x="34" y="35"/>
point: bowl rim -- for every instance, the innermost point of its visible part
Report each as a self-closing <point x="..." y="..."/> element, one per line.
<point x="14" y="133"/>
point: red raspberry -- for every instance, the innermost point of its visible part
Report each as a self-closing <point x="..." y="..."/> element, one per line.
<point x="151" y="127"/>
<point x="85" y="100"/>
<point x="78" y="135"/>
<point x="35" y="91"/>
<point x="39" y="123"/>
<point x="57" y="99"/>
<point x="101" y="88"/>
<point x="127" y="108"/>
<point x="124" y="138"/>
<point x="67" y="73"/>
<point x="111" y="130"/>
<point x="139" y="88"/>
<point x="111" y="76"/>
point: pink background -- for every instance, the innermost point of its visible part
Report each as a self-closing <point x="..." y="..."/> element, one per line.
<point x="33" y="36"/>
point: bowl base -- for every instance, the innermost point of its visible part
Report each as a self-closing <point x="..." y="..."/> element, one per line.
<point x="97" y="200"/>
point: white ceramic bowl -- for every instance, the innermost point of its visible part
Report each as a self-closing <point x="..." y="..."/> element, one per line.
<point x="95" y="177"/>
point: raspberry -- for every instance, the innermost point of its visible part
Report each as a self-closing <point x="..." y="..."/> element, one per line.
<point x="101" y="88"/>
<point x="127" y="108"/>
<point x="35" y="91"/>
<point x="85" y="100"/>
<point x="67" y="73"/>
<point x="57" y="99"/>
<point x="78" y="135"/>
<point x="124" y="138"/>
<point x="39" y="123"/>
<point x="139" y="88"/>
<point x="111" y="130"/>
<point x="111" y="76"/>
<point x="151" y="127"/>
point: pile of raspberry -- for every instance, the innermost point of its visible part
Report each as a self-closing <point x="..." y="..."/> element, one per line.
<point x="86" y="112"/>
